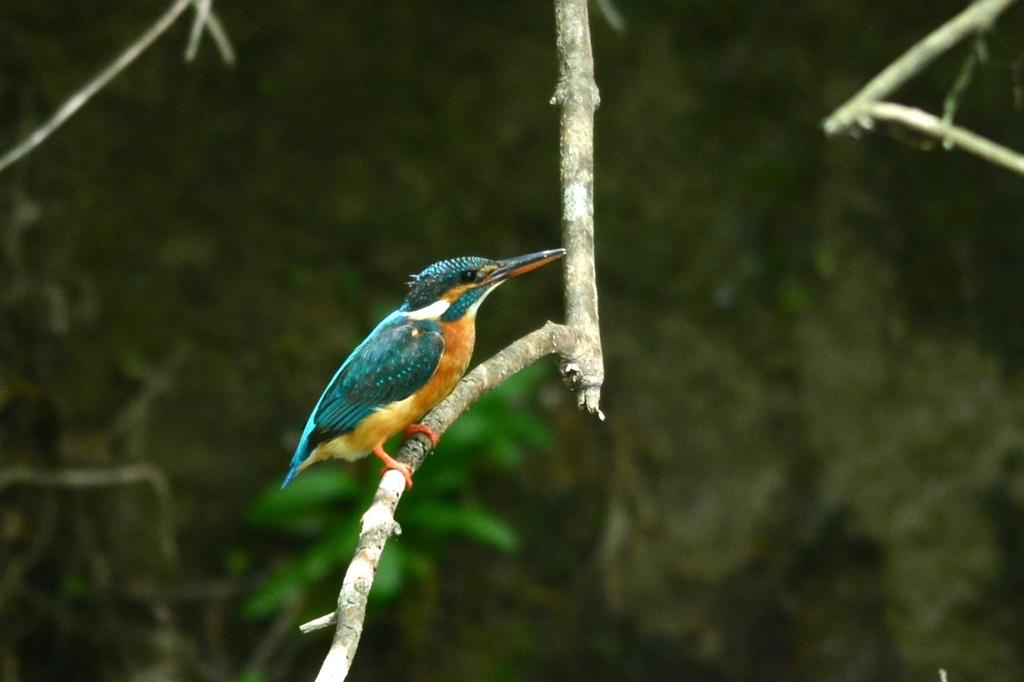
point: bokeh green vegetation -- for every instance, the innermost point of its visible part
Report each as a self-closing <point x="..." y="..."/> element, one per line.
<point x="321" y="508"/>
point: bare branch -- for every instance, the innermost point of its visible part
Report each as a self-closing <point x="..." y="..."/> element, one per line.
<point x="206" y="19"/>
<point x="220" y="37"/>
<point x="978" y="17"/>
<point x="950" y="135"/>
<point x="578" y="97"/>
<point x="377" y="525"/>
<point x="78" y="100"/>
<point x="203" y="8"/>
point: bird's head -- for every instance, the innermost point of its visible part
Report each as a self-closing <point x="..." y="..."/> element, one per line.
<point x="454" y="288"/>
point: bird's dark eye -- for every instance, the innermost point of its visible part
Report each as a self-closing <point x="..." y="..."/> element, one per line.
<point x="468" y="276"/>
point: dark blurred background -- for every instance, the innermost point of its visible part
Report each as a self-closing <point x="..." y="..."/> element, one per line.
<point x="813" y="462"/>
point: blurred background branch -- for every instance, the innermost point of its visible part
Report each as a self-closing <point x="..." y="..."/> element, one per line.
<point x="93" y="477"/>
<point x="205" y="19"/>
<point x="862" y="110"/>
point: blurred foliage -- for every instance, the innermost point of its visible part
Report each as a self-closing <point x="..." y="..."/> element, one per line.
<point x="251" y="676"/>
<point x="323" y="505"/>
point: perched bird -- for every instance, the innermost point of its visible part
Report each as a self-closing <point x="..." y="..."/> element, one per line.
<point x="408" y="364"/>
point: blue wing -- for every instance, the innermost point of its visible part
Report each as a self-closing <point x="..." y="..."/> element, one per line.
<point x="396" y="359"/>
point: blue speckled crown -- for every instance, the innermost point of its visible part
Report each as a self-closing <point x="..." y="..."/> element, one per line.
<point x="428" y="286"/>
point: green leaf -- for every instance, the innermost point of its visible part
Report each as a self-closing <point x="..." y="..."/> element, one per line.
<point x="237" y="561"/>
<point x="442" y="478"/>
<point x="280" y="590"/>
<point x="520" y="387"/>
<point x="468" y="520"/>
<point x="398" y="566"/>
<point x="390" y="576"/>
<point x="350" y="283"/>
<point x="74" y="586"/>
<point x="300" y="276"/>
<point x="531" y="429"/>
<point x="308" y="493"/>
<point x="292" y="581"/>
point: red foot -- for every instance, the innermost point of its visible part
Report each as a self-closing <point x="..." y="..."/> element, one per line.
<point x="420" y="428"/>
<point x="392" y="463"/>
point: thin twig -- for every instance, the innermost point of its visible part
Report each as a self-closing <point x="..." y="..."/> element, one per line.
<point x="611" y="14"/>
<point x="950" y="135"/>
<point x="272" y="640"/>
<point x="206" y="19"/>
<point x="131" y="421"/>
<point x="963" y="80"/>
<point x="976" y="18"/>
<point x="220" y="37"/>
<point x="198" y="24"/>
<point x="98" y="477"/>
<point x="78" y="100"/>
<point x="326" y="620"/>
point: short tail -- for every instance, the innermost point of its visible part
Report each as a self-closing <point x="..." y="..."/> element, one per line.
<point x="291" y="475"/>
<point x="300" y="457"/>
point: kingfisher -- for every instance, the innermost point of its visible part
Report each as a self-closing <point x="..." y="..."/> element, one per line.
<point x="408" y="364"/>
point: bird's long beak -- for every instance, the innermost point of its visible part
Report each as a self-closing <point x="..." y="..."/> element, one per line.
<point x="520" y="264"/>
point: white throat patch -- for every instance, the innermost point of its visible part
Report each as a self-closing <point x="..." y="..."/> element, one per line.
<point x="430" y="312"/>
<point x="476" y="304"/>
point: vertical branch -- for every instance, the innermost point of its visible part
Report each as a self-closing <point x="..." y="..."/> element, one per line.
<point x="578" y="98"/>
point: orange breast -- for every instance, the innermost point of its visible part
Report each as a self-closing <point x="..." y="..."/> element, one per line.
<point x="459" y="338"/>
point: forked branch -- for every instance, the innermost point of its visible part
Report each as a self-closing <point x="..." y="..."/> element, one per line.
<point x="866" y="107"/>
<point x="578" y="343"/>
